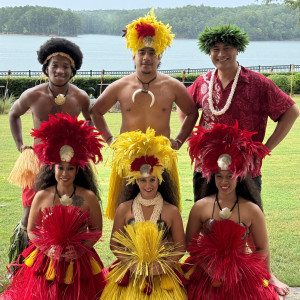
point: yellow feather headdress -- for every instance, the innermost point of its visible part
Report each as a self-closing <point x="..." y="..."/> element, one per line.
<point x="138" y="154"/>
<point x="148" y="32"/>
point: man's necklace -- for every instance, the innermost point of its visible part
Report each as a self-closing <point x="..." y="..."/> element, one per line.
<point x="60" y="99"/>
<point x="145" y="89"/>
<point x="228" y="102"/>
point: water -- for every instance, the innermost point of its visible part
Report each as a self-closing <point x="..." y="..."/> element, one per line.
<point x="18" y="53"/>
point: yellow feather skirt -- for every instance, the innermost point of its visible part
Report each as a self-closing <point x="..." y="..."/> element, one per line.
<point x="141" y="245"/>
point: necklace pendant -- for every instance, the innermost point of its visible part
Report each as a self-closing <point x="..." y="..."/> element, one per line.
<point x="225" y="213"/>
<point x="145" y="91"/>
<point x="66" y="200"/>
<point x="60" y="99"/>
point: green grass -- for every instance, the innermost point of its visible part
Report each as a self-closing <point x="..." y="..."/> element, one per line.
<point x="280" y="193"/>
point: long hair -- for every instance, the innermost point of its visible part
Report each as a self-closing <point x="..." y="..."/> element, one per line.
<point x="166" y="188"/>
<point x="84" y="178"/>
<point x="245" y="188"/>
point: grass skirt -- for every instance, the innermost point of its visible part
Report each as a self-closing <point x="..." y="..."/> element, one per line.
<point x="41" y="277"/>
<point x="223" y="265"/>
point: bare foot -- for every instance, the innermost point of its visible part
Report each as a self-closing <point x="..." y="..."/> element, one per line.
<point x="281" y="288"/>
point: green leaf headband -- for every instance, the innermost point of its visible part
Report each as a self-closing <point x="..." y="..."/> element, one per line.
<point x="227" y="34"/>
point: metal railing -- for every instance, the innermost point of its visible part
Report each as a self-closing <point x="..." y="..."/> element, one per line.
<point x="91" y="73"/>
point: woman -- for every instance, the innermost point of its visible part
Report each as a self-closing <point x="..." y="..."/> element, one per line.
<point x="226" y="230"/>
<point x="147" y="237"/>
<point x="65" y="220"/>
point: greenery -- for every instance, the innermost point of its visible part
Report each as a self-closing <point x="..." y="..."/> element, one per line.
<point x="280" y="194"/>
<point x="16" y="85"/>
<point x="5" y="104"/>
<point x="261" y="22"/>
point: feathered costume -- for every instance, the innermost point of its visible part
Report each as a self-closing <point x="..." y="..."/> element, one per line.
<point x="128" y="147"/>
<point x="223" y="263"/>
<point x="41" y="277"/>
<point x="61" y="228"/>
<point x="141" y="244"/>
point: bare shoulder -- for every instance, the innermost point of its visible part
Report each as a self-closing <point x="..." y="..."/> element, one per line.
<point x="124" y="206"/>
<point x="34" y="93"/>
<point x="170" y="208"/>
<point x="80" y="94"/>
<point x="250" y="208"/>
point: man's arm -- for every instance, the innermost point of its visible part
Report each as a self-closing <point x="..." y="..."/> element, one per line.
<point x="106" y="100"/>
<point x="18" y="109"/>
<point x="187" y="113"/>
<point x="85" y="106"/>
<point x="284" y="124"/>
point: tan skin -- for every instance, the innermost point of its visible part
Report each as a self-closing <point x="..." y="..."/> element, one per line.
<point x="139" y="115"/>
<point x="170" y="214"/>
<point x="41" y="103"/>
<point x="224" y="59"/>
<point x="250" y="215"/>
<point x="65" y="175"/>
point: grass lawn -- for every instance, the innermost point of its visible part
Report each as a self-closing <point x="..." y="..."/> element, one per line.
<point x="280" y="194"/>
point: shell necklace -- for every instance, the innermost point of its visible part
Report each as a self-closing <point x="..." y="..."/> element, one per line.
<point x="137" y="207"/>
<point x="228" y="101"/>
<point x="145" y="90"/>
<point x="60" y="99"/>
<point x="225" y="213"/>
<point x="65" y="199"/>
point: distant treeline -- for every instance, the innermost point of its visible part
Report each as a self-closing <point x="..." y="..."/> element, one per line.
<point x="262" y="22"/>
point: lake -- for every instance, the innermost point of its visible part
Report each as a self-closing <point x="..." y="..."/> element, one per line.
<point x="18" y="53"/>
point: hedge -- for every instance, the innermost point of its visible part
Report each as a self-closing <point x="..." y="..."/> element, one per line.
<point x="16" y="85"/>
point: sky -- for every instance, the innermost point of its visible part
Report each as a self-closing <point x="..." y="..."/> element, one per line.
<point x="125" y="4"/>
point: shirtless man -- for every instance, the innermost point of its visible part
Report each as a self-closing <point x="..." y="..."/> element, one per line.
<point x="146" y="97"/>
<point x="60" y="59"/>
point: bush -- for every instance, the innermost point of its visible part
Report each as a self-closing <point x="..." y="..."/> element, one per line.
<point x="5" y="104"/>
<point x="282" y="81"/>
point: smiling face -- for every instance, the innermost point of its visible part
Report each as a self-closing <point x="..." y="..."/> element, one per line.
<point x="225" y="182"/>
<point x="223" y="56"/>
<point x="65" y="173"/>
<point x="146" y="61"/>
<point x="59" y="70"/>
<point x="148" y="186"/>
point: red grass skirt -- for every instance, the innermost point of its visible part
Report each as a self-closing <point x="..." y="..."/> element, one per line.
<point x="226" y="267"/>
<point x="40" y="277"/>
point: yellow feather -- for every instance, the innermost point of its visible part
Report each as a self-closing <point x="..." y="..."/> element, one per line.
<point x="29" y="260"/>
<point x="96" y="269"/>
<point x="69" y="273"/>
<point x="50" y="273"/>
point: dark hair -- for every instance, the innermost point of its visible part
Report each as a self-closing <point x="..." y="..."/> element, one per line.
<point x="84" y="178"/>
<point x="245" y="188"/>
<point x="60" y="45"/>
<point x="168" y="192"/>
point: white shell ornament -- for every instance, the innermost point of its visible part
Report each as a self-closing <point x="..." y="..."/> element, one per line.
<point x="225" y="213"/>
<point x="66" y="200"/>
<point x="145" y="170"/>
<point x="144" y="91"/>
<point x="66" y="153"/>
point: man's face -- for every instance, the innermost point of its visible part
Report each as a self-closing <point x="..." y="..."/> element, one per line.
<point x="223" y="56"/>
<point x="59" y="70"/>
<point x="146" y="60"/>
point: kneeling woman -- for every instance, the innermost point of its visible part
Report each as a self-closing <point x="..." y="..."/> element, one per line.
<point x="226" y="230"/>
<point x="65" y="220"/>
<point x="147" y="237"/>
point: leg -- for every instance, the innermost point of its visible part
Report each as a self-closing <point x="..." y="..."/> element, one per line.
<point x="198" y="182"/>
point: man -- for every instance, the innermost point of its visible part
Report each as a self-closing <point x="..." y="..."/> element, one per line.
<point x="233" y="93"/>
<point x="146" y="97"/>
<point x="60" y="59"/>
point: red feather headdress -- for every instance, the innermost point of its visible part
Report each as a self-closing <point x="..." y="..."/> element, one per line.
<point x="225" y="147"/>
<point x="64" y="138"/>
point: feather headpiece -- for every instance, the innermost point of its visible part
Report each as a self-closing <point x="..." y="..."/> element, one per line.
<point x="64" y="138"/>
<point x="225" y="147"/>
<point x="147" y="32"/>
<point x="227" y="34"/>
<point x="138" y="154"/>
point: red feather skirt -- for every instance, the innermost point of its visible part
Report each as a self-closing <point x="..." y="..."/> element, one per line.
<point x="224" y="266"/>
<point x="40" y="277"/>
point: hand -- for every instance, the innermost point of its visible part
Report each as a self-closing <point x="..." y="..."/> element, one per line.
<point x="175" y="144"/>
<point x="70" y="253"/>
<point x="51" y="252"/>
<point x="24" y="147"/>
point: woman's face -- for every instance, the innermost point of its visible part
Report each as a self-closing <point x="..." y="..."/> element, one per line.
<point x="65" y="173"/>
<point x="148" y="186"/>
<point x="225" y="182"/>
